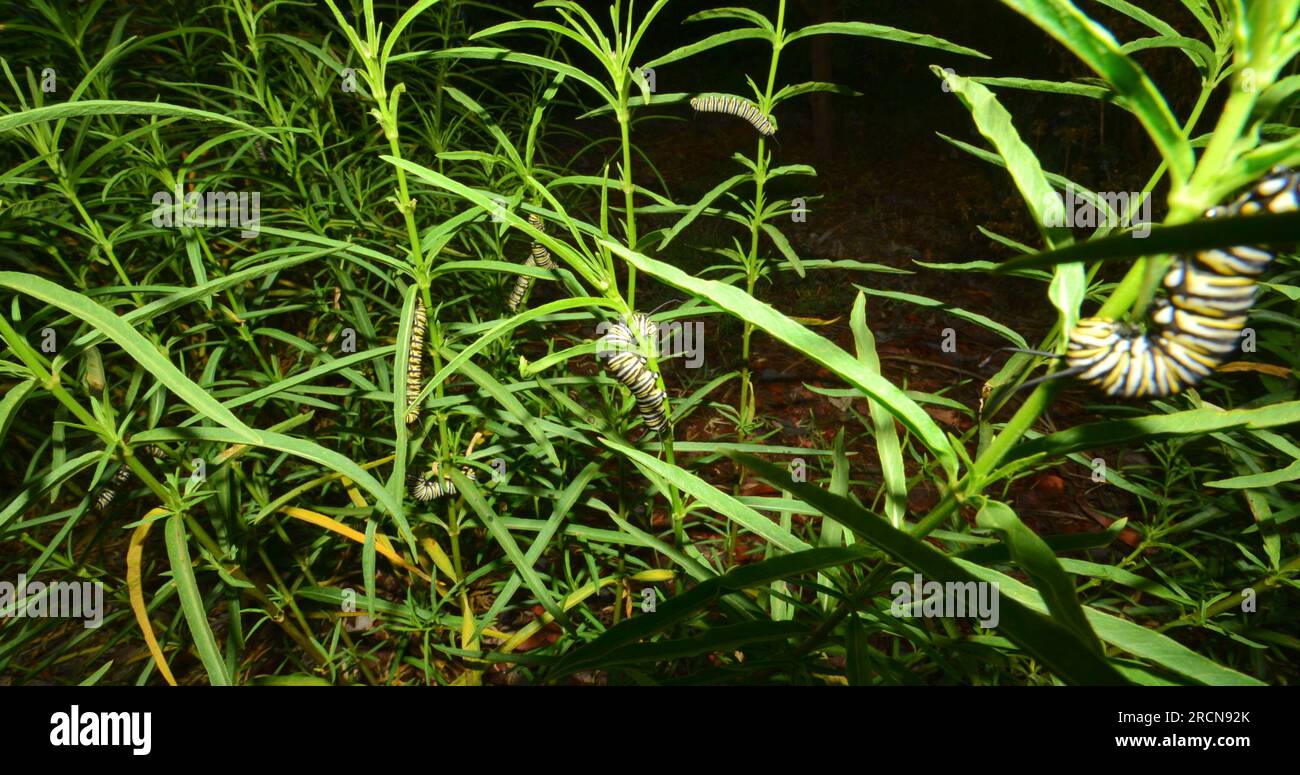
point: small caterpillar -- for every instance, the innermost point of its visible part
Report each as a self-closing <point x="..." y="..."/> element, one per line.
<point x="522" y="282"/>
<point x="621" y="351"/>
<point x="124" y="476"/>
<point x="725" y="103"/>
<point x="1194" y="330"/>
<point x="538" y="256"/>
<point x="425" y="489"/>
<point x="109" y="491"/>
<point x="433" y="487"/>
<point x="415" y="362"/>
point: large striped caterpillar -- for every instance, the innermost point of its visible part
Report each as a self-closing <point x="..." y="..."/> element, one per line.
<point x="415" y="362"/>
<point x="1194" y="330"/>
<point x="621" y="349"/>
<point x="538" y="255"/>
<point x="735" y="106"/>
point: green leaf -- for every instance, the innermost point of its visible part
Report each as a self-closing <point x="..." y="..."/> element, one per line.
<point x="881" y="32"/>
<point x="700" y="207"/>
<point x="12" y="402"/>
<point x="711" y="42"/>
<point x="1055" y="645"/>
<point x="1048" y="87"/>
<point x="513" y="406"/>
<point x="1130" y="430"/>
<point x="1034" y="556"/>
<point x="131" y="342"/>
<point x="810" y="87"/>
<point x="722" y="503"/>
<point x="994" y="123"/>
<point x="783" y="245"/>
<point x="470" y="492"/>
<point x="892" y="468"/>
<point x="1275" y="229"/>
<point x="506" y="55"/>
<point x="12" y="121"/>
<point x="680" y="607"/>
<point x="308" y="450"/>
<point x="1097" y="48"/>
<point x="196" y="614"/>
<point x="1202" y="55"/>
<point x="1066" y="292"/>
<point x="974" y="317"/>
<point x="1133" y="638"/>
<point x="1264" y="479"/>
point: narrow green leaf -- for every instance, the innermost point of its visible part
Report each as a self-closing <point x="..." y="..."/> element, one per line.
<point x="881" y="32"/>
<point x="1034" y="556"/>
<point x="1042" y="637"/>
<point x="1097" y="48"/>
<point x="196" y="615"/>
<point x="12" y="121"/>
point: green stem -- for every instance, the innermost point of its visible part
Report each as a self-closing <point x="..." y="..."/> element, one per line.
<point x="625" y="137"/>
<point x="755" y="227"/>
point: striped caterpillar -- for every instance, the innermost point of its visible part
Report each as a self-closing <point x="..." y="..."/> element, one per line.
<point x="1194" y="330"/>
<point x="435" y="487"/>
<point x="725" y="103"/>
<point x="124" y="477"/>
<point x="538" y="256"/>
<point x="425" y="489"/>
<point x="624" y="360"/>
<point x="415" y="362"/>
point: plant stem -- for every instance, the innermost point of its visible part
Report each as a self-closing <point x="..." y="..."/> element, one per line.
<point x="623" y="120"/>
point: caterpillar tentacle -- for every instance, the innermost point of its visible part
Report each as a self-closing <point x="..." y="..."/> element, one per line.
<point x="735" y="106"/>
<point x="1197" y="326"/>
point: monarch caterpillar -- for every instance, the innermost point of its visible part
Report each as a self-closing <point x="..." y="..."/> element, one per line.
<point x="621" y="350"/>
<point x="433" y="487"/>
<point x="724" y="103"/>
<point x="104" y="499"/>
<point x="415" y="362"/>
<point x="425" y="489"/>
<point x="124" y="476"/>
<point x="1190" y="333"/>
<point x="538" y="255"/>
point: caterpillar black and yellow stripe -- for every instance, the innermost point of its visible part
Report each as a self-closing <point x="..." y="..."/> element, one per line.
<point x="1197" y="326"/>
<point x="431" y="488"/>
<point x="538" y="255"/>
<point x="735" y="106"/>
<point x="415" y="362"/>
<point x="623" y="350"/>
<point x="124" y="476"/>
